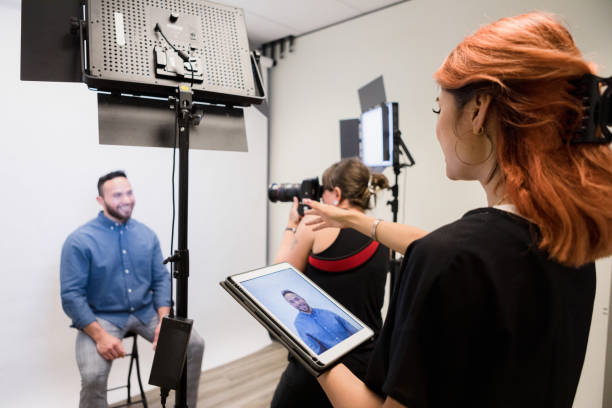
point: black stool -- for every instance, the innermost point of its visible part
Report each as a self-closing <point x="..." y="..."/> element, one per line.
<point x="133" y="357"/>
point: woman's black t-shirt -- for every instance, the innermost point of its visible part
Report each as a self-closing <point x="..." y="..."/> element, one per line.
<point x="483" y="318"/>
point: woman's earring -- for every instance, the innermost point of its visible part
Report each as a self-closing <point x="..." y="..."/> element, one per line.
<point x="335" y="202"/>
<point x="491" y="148"/>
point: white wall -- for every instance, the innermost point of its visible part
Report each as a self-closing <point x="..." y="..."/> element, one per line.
<point x="316" y="86"/>
<point x="50" y="160"/>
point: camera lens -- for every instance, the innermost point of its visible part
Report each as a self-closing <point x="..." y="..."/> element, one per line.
<point x="283" y="192"/>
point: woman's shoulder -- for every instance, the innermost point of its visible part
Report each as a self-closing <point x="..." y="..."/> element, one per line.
<point x="308" y="217"/>
<point x="321" y="239"/>
<point x="454" y="251"/>
<point x="308" y="229"/>
<point x="478" y="226"/>
<point x="478" y="235"/>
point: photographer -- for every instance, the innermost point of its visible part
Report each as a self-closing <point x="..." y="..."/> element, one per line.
<point x="348" y="265"/>
<point x="494" y="309"/>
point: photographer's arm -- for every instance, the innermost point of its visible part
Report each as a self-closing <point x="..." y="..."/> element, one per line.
<point x="345" y="390"/>
<point x="295" y="246"/>
<point x="393" y="235"/>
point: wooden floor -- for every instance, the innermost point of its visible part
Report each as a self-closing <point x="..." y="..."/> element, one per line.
<point x="245" y="383"/>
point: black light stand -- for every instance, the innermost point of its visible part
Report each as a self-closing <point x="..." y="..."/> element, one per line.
<point x="398" y="144"/>
<point x="180" y="258"/>
<point x="181" y="268"/>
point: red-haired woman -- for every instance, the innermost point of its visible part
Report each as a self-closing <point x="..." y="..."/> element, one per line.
<point x="494" y="309"/>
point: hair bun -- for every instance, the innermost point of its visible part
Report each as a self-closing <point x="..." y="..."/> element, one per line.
<point x="379" y="181"/>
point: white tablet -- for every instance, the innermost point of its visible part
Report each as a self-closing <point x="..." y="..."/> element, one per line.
<point x="309" y="322"/>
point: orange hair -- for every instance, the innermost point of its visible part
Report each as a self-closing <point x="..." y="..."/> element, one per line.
<point x="528" y="64"/>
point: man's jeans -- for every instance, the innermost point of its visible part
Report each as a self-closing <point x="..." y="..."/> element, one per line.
<point x="94" y="368"/>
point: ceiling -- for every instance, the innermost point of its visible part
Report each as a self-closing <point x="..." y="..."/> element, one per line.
<point x="269" y="20"/>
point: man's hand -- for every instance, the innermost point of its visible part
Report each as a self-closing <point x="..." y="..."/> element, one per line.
<point x="156" y="335"/>
<point x="110" y="347"/>
<point x="161" y="312"/>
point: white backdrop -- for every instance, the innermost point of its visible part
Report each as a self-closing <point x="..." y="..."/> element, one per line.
<point x="50" y="161"/>
<point x="316" y="86"/>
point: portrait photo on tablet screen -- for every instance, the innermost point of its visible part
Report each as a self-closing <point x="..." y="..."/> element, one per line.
<point x="301" y="307"/>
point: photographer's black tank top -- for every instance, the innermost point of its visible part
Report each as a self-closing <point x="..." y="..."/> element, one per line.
<point x="360" y="289"/>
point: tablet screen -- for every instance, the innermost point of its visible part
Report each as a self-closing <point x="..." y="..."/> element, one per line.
<point x="303" y="309"/>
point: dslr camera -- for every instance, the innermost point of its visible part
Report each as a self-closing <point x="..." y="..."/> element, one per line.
<point x="284" y="192"/>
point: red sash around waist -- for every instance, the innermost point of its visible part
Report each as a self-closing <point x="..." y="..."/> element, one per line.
<point x="344" y="264"/>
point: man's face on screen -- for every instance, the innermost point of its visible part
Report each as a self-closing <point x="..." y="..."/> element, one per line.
<point x="298" y="302"/>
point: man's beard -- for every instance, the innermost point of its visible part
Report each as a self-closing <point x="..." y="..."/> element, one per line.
<point x="111" y="211"/>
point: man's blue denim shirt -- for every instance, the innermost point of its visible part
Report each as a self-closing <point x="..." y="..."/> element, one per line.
<point x="322" y="329"/>
<point x="111" y="270"/>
